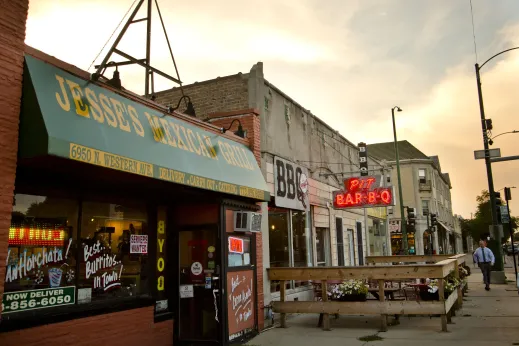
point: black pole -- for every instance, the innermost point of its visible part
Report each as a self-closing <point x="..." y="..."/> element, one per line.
<point x="102" y="66"/>
<point x="511" y="238"/>
<point x="429" y="229"/>
<point x="148" y="50"/>
<point x="497" y="248"/>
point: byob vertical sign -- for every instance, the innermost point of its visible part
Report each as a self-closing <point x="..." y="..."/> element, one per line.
<point x="291" y="185"/>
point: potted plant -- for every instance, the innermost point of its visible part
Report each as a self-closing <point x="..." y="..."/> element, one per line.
<point x="349" y="291"/>
<point x="431" y="293"/>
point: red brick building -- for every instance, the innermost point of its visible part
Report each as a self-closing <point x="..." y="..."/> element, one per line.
<point x="121" y="222"/>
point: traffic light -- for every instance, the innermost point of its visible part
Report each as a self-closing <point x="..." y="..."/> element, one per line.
<point x="411" y="219"/>
<point x="488" y="124"/>
<point x="434" y="221"/>
<point x="498" y="202"/>
<point x="508" y="194"/>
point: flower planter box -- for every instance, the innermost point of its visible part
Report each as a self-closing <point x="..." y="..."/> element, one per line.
<point x="352" y="298"/>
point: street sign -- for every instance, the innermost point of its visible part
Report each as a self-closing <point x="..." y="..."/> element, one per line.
<point x="480" y="154"/>
<point x="504" y="214"/>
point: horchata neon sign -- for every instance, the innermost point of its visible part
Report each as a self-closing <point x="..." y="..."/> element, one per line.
<point x="363" y="192"/>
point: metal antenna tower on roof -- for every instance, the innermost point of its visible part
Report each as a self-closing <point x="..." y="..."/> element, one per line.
<point x="130" y="60"/>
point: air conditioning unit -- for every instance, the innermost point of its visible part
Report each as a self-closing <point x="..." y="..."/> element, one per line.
<point x="246" y="221"/>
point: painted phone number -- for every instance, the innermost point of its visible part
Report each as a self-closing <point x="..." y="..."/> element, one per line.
<point x="33" y="303"/>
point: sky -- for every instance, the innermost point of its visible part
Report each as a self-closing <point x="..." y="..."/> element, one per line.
<point x="348" y="61"/>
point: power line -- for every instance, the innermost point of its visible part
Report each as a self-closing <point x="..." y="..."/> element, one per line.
<point x="347" y="158"/>
<point x="331" y="146"/>
<point x="112" y="35"/>
<point x="473" y="31"/>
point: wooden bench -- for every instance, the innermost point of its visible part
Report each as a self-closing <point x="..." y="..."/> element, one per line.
<point x="381" y="273"/>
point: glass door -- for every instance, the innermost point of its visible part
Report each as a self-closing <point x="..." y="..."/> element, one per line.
<point x="199" y="314"/>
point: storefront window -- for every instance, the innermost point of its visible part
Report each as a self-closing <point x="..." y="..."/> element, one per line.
<point x="50" y="263"/>
<point x="110" y="265"/>
<point x="397" y="246"/>
<point x="299" y="242"/>
<point x="278" y="238"/>
<point x="41" y="246"/>
<point x="278" y="242"/>
<point x="289" y="242"/>
<point x="299" y="239"/>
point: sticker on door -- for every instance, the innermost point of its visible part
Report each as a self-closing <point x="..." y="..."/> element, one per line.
<point x="196" y="268"/>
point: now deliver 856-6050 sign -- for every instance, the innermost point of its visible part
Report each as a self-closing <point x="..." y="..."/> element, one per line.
<point x="38" y="299"/>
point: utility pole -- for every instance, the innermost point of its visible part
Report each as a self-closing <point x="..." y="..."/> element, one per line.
<point x="429" y="229"/>
<point x="495" y="244"/>
<point x="508" y="197"/>
<point x="402" y="216"/>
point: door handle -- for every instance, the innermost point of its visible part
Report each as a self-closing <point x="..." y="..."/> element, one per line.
<point x="215" y="305"/>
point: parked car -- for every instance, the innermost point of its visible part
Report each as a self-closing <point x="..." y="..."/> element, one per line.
<point x="515" y="250"/>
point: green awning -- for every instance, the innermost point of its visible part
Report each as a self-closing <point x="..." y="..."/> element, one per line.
<point x="66" y="116"/>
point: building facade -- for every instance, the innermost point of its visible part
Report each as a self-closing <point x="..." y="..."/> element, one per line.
<point x="304" y="161"/>
<point x="121" y="221"/>
<point x="426" y="188"/>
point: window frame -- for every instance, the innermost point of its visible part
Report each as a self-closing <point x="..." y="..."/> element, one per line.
<point x="427" y="202"/>
<point x="422" y="179"/>
<point x="291" y="285"/>
<point x="32" y="318"/>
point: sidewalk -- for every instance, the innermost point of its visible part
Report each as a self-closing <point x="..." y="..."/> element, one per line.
<point x="487" y="318"/>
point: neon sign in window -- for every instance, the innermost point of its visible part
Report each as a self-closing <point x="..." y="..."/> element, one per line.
<point x="29" y="236"/>
<point x="235" y="245"/>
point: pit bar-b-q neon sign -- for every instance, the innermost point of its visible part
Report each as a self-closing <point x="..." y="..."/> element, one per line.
<point x="363" y="192"/>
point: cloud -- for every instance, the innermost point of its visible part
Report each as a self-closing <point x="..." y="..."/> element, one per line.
<point x="348" y="62"/>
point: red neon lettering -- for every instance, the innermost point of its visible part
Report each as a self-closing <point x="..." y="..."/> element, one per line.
<point x="349" y="199"/>
<point x="372" y="197"/>
<point x="385" y="195"/>
<point x="339" y="199"/>
<point x="353" y="184"/>
<point x="358" y="198"/>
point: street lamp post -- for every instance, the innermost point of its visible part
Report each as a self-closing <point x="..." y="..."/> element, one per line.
<point x="499" y="258"/>
<point x="397" y="156"/>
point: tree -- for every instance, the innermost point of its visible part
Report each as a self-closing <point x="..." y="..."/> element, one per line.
<point x="478" y="227"/>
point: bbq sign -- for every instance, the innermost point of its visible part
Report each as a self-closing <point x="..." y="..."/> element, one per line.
<point x="363" y="192"/>
<point x="363" y="159"/>
<point x="291" y="185"/>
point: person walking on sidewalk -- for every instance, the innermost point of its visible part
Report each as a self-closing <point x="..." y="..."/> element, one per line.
<point x="485" y="259"/>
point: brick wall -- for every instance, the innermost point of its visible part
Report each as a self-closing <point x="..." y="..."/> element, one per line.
<point x="132" y="327"/>
<point x="217" y="95"/>
<point x="12" y="37"/>
<point x="249" y="119"/>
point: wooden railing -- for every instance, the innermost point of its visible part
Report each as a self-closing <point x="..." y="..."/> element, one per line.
<point x="381" y="273"/>
<point x="413" y="259"/>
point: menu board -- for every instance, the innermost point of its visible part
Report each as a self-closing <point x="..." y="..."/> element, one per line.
<point x="240" y="302"/>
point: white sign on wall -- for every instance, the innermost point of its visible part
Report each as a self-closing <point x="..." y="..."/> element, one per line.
<point x="394" y="226"/>
<point x="290" y="185"/>
<point x="139" y="244"/>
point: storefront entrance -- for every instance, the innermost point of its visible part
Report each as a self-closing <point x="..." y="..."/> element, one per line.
<point x="199" y="312"/>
